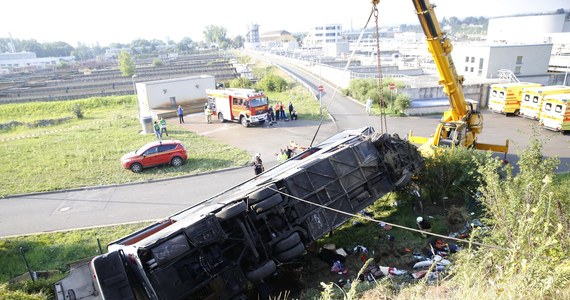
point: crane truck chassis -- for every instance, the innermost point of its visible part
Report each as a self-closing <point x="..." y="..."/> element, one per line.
<point x="211" y="250"/>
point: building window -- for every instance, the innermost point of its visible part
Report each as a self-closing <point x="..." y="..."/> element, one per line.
<point x="466" y="69"/>
<point x="481" y="63"/>
<point x="472" y="59"/>
<point x="517" y="69"/>
<point x="471" y="69"/>
<point x="519" y="59"/>
<point x="466" y="59"/>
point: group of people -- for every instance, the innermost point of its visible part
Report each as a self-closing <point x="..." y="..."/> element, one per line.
<point x="289" y="151"/>
<point x="160" y="128"/>
<point x="278" y="112"/>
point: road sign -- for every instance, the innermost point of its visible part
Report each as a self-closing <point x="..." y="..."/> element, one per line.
<point x="392" y="86"/>
<point x="321" y="88"/>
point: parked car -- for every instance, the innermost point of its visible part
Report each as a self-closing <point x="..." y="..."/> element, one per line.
<point x="156" y="153"/>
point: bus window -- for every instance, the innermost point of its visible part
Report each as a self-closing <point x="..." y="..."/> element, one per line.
<point x="558" y="108"/>
<point x="535" y="99"/>
<point x="235" y="101"/>
<point x="240" y="101"/>
<point x="548" y="106"/>
<point x="246" y="103"/>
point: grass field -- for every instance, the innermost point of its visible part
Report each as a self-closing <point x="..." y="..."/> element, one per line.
<point x="54" y="251"/>
<point x="86" y="152"/>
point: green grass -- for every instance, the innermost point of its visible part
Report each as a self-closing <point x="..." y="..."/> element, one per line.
<point x="86" y="152"/>
<point x="54" y="251"/>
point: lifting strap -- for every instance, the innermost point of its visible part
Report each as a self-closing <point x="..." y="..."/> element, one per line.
<point x="381" y="104"/>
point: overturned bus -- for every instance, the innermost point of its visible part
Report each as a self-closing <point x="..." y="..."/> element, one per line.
<point x="211" y="250"/>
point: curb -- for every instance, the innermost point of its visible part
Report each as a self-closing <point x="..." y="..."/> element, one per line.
<point x="119" y="184"/>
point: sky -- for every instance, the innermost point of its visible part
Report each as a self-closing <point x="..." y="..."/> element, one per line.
<point x="108" y="21"/>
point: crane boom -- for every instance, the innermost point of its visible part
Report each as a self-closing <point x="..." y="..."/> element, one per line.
<point x="461" y="124"/>
<point x="440" y="47"/>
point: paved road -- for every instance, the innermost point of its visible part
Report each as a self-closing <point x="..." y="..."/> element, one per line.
<point x="119" y="204"/>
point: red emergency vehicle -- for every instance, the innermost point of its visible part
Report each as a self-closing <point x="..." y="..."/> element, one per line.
<point x="245" y="106"/>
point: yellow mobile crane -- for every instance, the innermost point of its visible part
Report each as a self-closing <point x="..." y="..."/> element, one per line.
<point x="461" y="124"/>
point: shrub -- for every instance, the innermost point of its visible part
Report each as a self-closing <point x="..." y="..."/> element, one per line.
<point x="451" y="173"/>
<point x="402" y="102"/>
<point x="272" y="83"/>
<point x="527" y="215"/>
<point x="77" y="111"/>
<point x="240" y="82"/>
<point x="156" y="62"/>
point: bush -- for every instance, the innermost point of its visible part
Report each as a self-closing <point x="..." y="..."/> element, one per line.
<point x="156" y="62"/>
<point x="7" y="293"/>
<point x="528" y="216"/>
<point x="77" y="111"/>
<point x="272" y="83"/>
<point x="451" y="173"/>
<point x="240" y="82"/>
<point x="402" y="103"/>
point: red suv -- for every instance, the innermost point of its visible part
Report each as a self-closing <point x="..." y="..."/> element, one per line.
<point x="154" y="154"/>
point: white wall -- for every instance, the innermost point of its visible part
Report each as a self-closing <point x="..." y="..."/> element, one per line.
<point x="157" y="94"/>
<point x="524" y="28"/>
<point x="467" y="60"/>
<point x="535" y="59"/>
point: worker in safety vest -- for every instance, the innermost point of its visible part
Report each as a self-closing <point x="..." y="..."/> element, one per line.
<point x="208" y="112"/>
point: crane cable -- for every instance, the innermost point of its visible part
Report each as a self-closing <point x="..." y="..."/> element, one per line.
<point x="382" y="104"/>
<point x="344" y="70"/>
<point x="391" y="224"/>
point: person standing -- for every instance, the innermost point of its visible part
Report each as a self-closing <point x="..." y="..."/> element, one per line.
<point x="163" y="126"/>
<point x="291" y="109"/>
<point x="157" y="131"/>
<point x="282" y="111"/>
<point x="270" y="115"/>
<point x="180" y="113"/>
<point x="208" y="113"/>
<point x="368" y="106"/>
<point x="257" y="164"/>
<point x="277" y="114"/>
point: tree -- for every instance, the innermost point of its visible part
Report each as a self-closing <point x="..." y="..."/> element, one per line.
<point x="216" y="35"/>
<point x="126" y="64"/>
<point x="186" y="45"/>
<point x="451" y="173"/>
<point x="156" y="62"/>
<point x="82" y="52"/>
<point x="402" y="102"/>
<point x="238" y="42"/>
